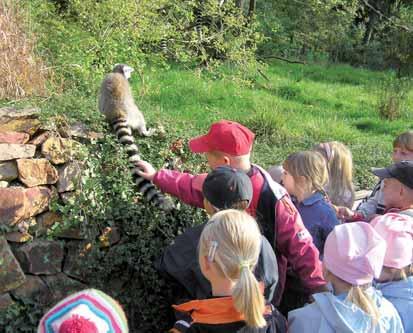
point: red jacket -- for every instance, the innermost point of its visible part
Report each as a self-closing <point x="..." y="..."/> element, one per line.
<point x="293" y="242"/>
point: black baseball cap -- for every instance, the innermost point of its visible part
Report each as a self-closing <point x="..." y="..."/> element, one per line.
<point x="224" y="186"/>
<point x="402" y="171"/>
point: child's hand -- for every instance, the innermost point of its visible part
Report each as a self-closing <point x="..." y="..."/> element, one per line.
<point x="344" y="213"/>
<point x="146" y="171"/>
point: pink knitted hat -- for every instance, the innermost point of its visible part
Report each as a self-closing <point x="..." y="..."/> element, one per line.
<point x="354" y="252"/>
<point x="397" y="231"/>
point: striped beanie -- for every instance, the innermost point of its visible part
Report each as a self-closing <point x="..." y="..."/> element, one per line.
<point x="88" y="311"/>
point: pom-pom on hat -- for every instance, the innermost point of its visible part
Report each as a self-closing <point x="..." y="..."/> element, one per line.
<point x="225" y="136"/>
<point x="78" y="324"/>
<point x="88" y="311"/>
<point x="354" y="252"/>
<point x="397" y="230"/>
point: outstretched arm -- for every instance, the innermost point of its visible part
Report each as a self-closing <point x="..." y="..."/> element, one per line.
<point x="184" y="186"/>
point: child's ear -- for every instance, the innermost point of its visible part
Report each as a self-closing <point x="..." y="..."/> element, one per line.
<point x="227" y="160"/>
<point x="206" y="265"/>
<point x="301" y="180"/>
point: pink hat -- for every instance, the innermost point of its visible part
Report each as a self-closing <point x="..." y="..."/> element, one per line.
<point x="397" y="231"/>
<point x="354" y="252"/>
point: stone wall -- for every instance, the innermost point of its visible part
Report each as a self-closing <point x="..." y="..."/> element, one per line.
<point x="37" y="165"/>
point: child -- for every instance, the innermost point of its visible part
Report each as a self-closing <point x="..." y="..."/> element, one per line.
<point x="397" y="187"/>
<point x="340" y="188"/>
<point x="228" y="252"/>
<point x="230" y="143"/>
<point x="396" y="279"/>
<point x="353" y="256"/>
<point x="88" y="311"/>
<point x="374" y="204"/>
<point x="305" y="175"/>
<point x="223" y="188"/>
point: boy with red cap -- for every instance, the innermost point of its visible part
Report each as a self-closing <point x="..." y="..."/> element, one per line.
<point x="230" y="143"/>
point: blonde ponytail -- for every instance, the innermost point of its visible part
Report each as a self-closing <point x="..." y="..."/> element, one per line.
<point x="232" y="240"/>
<point x="358" y="296"/>
<point x="248" y="298"/>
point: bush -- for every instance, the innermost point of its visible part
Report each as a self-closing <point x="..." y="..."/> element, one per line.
<point x="22" y="72"/>
<point x="392" y="97"/>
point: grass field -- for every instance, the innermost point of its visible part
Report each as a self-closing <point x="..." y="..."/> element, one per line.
<point x="295" y="107"/>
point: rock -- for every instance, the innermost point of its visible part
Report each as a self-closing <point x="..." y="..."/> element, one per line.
<point x="38" y="199"/>
<point x="74" y="264"/>
<point x="80" y="130"/>
<point x="61" y="286"/>
<point x="12" y="151"/>
<point x="3" y="184"/>
<point x="41" y="257"/>
<point x="46" y="221"/>
<point x="40" y="138"/>
<point x="5" y="301"/>
<point x="36" y="172"/>
<point x="14" y="137"/>
<point x="69" y="177"/>
<point x="8" y="171"/>
<point x="11" y="274"/>
<point x="12" y="113"/>
<point x="68" y="197"/>
<point x="71" y="233"/>
<point x="18" y="237"/>
<point x="17" y="204"/>
<point x="58" y="150"/>
<point x="23" y="120"/>
<point x="33" y="288"/>
<point x="12" y="209"/>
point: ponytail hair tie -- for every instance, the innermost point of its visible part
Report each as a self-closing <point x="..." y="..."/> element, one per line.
<point x="244" y="264"/>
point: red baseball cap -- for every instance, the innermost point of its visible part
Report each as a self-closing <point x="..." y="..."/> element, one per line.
<point x="226" y="136"/>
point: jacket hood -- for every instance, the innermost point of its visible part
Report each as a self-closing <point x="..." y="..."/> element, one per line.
<point x="402" y="289"/>
<point x="344" y="316"/>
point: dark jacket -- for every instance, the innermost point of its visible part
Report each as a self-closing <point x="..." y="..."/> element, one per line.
<point x="277" y="215"/>
<point x="180" y="261"/>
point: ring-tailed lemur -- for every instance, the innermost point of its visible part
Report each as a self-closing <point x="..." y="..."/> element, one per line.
<point x="117" y="104"/>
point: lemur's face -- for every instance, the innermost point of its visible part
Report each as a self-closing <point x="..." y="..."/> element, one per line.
<point x="123" y="69"/>
<point x="127" y="71"/>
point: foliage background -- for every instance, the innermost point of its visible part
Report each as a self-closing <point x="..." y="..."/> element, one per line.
<point x="197" y="62"/>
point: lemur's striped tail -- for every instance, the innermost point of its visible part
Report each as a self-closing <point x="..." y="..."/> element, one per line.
<point x="147" y="188"/>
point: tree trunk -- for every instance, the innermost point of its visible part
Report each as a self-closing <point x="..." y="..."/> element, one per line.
<point x="239" y="4"/>
<point x="251" y="9"/>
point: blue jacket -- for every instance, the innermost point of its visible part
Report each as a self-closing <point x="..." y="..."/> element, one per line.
<point x="318" y="217"/>
<point x="400" y="294"/>
<point x="330" y="313"/>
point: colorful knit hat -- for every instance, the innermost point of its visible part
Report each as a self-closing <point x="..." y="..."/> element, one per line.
<point x="88" y="311"/>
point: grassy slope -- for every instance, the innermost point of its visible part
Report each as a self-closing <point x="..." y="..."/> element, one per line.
<point x="300" y="106"/>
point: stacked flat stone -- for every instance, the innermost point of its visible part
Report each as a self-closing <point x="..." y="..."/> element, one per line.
<point x="37" y="165"/>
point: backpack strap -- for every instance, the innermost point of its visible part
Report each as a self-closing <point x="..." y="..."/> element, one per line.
<point x="271" y="192"/>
